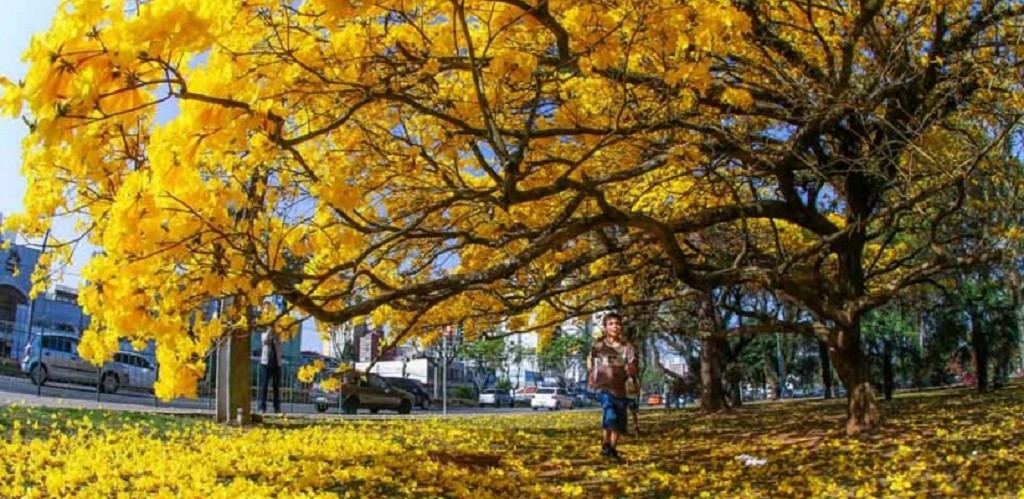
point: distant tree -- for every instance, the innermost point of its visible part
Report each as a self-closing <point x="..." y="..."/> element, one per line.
<point x="487" y="357"/>
<point x="887" y="330"/>
<point x="564" y="354"/>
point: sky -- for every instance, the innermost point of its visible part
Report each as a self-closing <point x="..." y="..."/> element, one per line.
<point x="19" y="21"/>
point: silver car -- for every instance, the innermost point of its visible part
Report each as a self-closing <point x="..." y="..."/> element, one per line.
<point x="54" y="357"/>
<point x="133" y="371"/>
<point x="497" y="398"/>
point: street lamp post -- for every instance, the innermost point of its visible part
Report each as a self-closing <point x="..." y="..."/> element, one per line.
<point x="444" y="372"/>
<point x="31" y="319"/>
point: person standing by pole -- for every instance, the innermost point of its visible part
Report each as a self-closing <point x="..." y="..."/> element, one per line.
<point x="610" y="363"/>
<point x="270" y="370"/>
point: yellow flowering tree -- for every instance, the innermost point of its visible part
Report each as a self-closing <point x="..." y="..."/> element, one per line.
<point x="434" y="162"/>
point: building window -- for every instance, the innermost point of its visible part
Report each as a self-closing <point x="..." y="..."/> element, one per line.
<point x="13" y="262"/>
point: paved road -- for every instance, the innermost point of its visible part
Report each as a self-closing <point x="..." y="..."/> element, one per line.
<point x="18" y="390"/>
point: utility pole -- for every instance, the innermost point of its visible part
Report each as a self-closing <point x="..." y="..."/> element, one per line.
<point x="782" y="365"/>
<point x="519" y="362"/>
<point x="31" y="319"/>
<point x="444" y="372"/>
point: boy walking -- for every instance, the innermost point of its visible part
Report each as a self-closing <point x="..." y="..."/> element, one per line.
<point x="610" y="363"/>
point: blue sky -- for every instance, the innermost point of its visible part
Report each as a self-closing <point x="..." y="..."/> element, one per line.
<point x="20" y="20"/>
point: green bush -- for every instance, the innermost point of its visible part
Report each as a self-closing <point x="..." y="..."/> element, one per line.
<point x="463" y="392"/>
<point x="503" y="385"/>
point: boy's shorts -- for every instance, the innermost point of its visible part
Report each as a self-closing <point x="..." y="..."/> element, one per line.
<point x="633" y="405"/>
<point x="614" y="409"/>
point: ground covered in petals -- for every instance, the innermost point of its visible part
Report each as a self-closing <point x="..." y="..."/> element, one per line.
<point x="949" y="442"/>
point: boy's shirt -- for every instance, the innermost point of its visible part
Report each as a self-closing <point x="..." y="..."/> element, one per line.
<point x="610" y="365"/>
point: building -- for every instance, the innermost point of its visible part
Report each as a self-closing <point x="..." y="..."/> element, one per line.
<point x="525" y="372"/>
<point x="367" y="342"/>
<point x="679" y="369"/>
<point x="56" y="310"/>
<point x="340" y="342"/>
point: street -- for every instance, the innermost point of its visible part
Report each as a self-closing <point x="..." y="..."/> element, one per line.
<point x="22" y="391"/>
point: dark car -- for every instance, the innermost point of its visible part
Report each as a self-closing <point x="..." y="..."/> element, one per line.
<point x="358" y="390"/>
<point x="415" y="388"/>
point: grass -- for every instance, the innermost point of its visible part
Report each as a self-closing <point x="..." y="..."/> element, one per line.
<point x="938" y="443"/>
<point x="9" y="367"/>
<point x="40" y="422"/>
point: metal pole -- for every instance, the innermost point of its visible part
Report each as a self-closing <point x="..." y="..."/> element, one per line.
<point x="444" y="374"/>
<point x="259" y="382"/>
<point x="211" y="377"/>
<point x="31" y="317"/>
<point x="437" y="374"/>
<point x="520" y="380"/>
<point x="782" y="367"/>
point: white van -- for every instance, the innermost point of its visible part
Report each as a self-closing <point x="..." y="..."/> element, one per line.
<point x="551" y="398"/>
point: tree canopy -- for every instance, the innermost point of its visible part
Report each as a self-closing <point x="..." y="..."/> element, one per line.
<point x="465" y="161"/>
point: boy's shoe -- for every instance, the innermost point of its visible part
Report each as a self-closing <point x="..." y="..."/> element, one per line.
<point x="606" y="450"/>
<point x="614" y="454"/>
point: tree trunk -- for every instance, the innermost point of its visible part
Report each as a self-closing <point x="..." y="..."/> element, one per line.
<point x="735" y="397"/>
<point x="234" y="379"/>
<point x="888" y="380"/>
<point x="1018" y="312"/>
<point x="712" y="357"/>
<point x="780" y="363"/>
<point x="771" y="378"/>
<point x="904" y="372"/>
<point x="980" y="345"/>
<point x="826" y="368"/>
<point x="712" y="391"/>
<point x="854" y="371"/>
<point x="733" y="381"/>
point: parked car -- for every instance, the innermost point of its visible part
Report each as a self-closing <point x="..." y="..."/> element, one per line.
<point x="358" y="390"/>
<point x="583" y="399"/>
<point x="54" y="357"/>
<point x="138" y="370"/>
<point x="497" y="398"/>
<point x="524" y="395"/>
<point x="418" y="391"/>
<point x="551" y="398"/>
